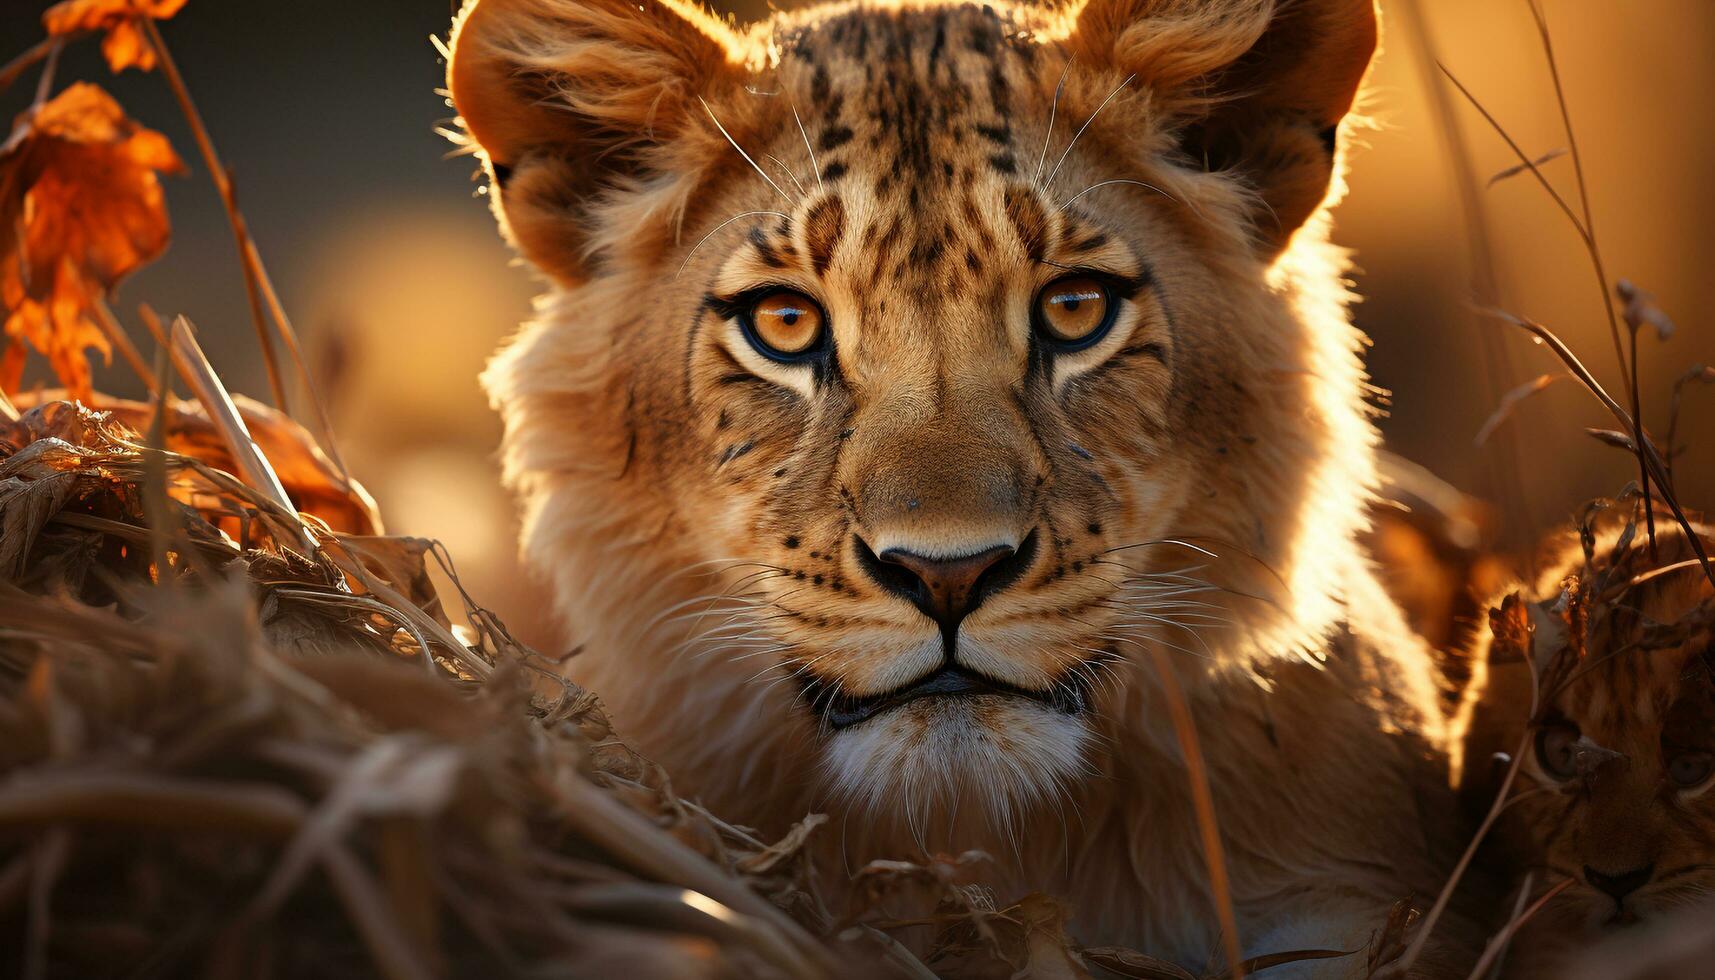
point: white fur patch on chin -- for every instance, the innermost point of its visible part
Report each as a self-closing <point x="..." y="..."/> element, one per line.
<point x="940" y="758"/>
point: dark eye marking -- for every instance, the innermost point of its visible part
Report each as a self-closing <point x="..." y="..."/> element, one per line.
<point x="1125" y="287"/>
<point x="1028" y="219"/>
<point x="1093" y="240"/>
<point x="823" y="228"/>
<point x="769" y="254"/>
<point x="974" y="219"/>
<point x="833" y="171"/>
<point x="1152" y="350"/>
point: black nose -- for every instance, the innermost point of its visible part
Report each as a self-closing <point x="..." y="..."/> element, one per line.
<point x="1620" y="885"/>
<point x="947" y="589"/>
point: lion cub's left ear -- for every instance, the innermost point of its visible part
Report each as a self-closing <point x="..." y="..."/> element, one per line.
<point x="577" y="104"/>
<point x="1259" y="86"/>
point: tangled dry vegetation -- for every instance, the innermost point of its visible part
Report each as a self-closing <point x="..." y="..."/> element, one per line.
<point x="236" y="739"/>
<point x="240" y="735"/>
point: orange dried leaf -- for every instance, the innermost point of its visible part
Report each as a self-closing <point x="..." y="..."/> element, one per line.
<point x="125" y="45"/>
<point x="81" y="207"/>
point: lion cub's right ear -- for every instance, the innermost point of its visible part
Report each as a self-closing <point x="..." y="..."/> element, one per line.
<point x="579" y="104"/>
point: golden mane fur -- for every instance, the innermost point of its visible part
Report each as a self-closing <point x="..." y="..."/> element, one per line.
<point x="710" y="517"/>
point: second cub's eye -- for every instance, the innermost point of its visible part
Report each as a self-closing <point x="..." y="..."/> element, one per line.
<point x="1557" y="749"/>
<point x="785" y="325"/>
<point x="1690" y="768"/>
<point x="1073" y="312"/>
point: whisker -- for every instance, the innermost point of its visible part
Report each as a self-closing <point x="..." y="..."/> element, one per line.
<point x="666" y="616"/>
<point x="750" y="606"/>
<point x="747" y="159"/>
<point x="1118" y="180"/>
<point x="1166" y="643"/>
<point x="815" y="167"/>
<point x="1160" y="541"/>
<point x="1079" y="134"/>
<point x="1053" y="109"/>
<point x="700" y="241"/>
<point x="778" y="163"/>
<point x="754" y="649"/>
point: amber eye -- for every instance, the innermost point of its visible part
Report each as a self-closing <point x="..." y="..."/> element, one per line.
<point x="785" y="325"/>
<point x="1690" y="768"/>
<point x="1073" y="312"/>
<point x="1557" y="749"/>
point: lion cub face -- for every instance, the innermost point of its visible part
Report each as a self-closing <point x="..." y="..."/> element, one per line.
<point x="1614" y="792"/>
<point x="934" y="333"/>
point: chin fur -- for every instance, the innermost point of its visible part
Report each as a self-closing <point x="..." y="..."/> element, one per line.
<point x="959" y="759"/>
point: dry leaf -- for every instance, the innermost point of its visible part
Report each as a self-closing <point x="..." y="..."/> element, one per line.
<point x="1612" y="437"/>
<point x="1519" y="168"/>
<point x="125" y="45"/>
<point x="786" y="849"/>
<point x="1514" y="636"/>
<point x="35" y="484"/>
<point x="1511" y="400"/>
<point x="81" y="208"/>
<point x="1049" y="952"/>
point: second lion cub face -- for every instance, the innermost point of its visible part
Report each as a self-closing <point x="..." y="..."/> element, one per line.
<point x="1613" y="804"/>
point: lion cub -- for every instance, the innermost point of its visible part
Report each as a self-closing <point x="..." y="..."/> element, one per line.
<point x="1612" y="812"/>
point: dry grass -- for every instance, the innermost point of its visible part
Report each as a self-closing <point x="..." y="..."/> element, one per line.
<point x="257" y="757"/>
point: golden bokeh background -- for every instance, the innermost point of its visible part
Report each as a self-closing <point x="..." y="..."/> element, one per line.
<point x="395" y="276"/>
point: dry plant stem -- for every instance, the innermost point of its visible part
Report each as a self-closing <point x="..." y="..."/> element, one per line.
<point x="1584" y="203"/>
<point x="1699" y="372"/>
<point x="256" y="275"/>
<point x="8" y="411"/>
<point x="152" y="322"/>
<point x="116" y="336"/>
<point x="1427" y="926"/>
<point x="1646" y="450"/>
<point x="1518" y="911"/>
<point x="394" y="953"/>
<point x="1511" y="399"/>
<point x="1535" y="171"/>
<point x="1638" y="441"/>
<point x="253" y="465"/>
<point x="424" y="626"/>
<point x="630" y="838"/>
<point x="896" y="954"/>
<point x="1590" y="243"/>
<point x="1504" y="459"/>
<point x="1628" y="368"/>
<point x="159" y="802"/>
<point x="223" y="184"/>
<point x="17" y="66"/>
<point x="290" y="336"/>
<point x="1202" y="800"/>
<point x="1499" y="942"/>
<point x="155" y="505"/>
<point x="45" y="84"/>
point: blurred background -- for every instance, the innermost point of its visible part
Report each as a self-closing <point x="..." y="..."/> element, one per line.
<point x="390" y="265"/>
